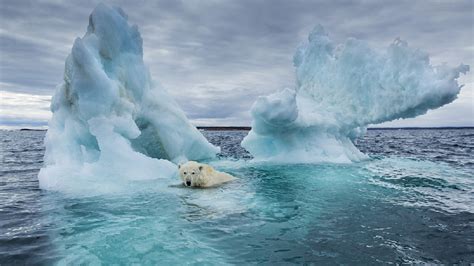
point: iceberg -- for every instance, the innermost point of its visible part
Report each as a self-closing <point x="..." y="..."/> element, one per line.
<point x="340" y="90"/>
<point x="110" y="121"/>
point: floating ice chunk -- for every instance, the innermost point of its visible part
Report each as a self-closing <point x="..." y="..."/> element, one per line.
<point x="340" y="90"/>
<point x="109" y="120"/>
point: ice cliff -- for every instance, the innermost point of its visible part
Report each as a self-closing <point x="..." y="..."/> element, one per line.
<point x="340" y="90"/>
<point x="110" y="121"/>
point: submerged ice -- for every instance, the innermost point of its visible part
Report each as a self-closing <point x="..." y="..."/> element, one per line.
<point x="340" y="90"/>
<point x="110" y="121"/>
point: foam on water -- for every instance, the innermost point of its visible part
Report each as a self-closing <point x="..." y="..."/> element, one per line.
<point x="410" y="203"/>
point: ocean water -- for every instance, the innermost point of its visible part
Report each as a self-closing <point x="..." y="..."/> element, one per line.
<point x="412" y="202"/>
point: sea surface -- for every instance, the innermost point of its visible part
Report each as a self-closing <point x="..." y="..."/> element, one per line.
<point x="412" y="202"/>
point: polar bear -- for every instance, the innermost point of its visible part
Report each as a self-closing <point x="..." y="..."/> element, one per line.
<point x="194" y="174"/>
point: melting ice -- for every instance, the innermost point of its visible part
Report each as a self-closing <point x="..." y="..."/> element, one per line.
<point x="340" y="90"/>
<point x="109" y="120"/>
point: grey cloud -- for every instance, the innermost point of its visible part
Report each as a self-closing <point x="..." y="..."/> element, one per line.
<point x="240" y="49"/>
<point x="213" y="103"/>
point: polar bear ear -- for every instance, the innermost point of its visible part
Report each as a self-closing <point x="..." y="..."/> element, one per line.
<point x="200" y="168"/>
<point x="179" y="166"/>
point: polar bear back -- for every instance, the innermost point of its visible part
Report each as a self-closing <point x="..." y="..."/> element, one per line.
<point x="216" y="177"/>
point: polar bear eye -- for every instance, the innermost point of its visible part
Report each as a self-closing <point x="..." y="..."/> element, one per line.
<point x="192" y="173"/>
<point x="184" y="173"/>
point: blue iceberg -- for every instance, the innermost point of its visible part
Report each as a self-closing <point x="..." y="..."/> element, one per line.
<point x="110" y="121"/>
<point x="340" y="90"/>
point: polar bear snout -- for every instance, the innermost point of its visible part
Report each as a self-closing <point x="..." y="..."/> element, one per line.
<point x="190" y="178"/>
<point x="187" y="180"/>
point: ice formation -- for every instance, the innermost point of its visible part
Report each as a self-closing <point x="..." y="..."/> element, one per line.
<point x="109" y="120"/>
<point x="340" y="90"/>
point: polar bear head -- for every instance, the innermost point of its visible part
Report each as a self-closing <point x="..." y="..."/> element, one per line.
<point x="194" y="174"/>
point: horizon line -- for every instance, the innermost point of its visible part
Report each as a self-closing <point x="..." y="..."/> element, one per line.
<point x="217" y="128"/>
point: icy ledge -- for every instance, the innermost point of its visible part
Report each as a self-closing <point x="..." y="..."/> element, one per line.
<point x="110" y="122"/>
<point x="340" y="90"/>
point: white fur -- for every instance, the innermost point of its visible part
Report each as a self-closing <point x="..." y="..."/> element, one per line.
<point x="194" y="174"/>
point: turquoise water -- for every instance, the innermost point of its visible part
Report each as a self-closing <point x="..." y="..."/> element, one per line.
<point x="412" y="202"/>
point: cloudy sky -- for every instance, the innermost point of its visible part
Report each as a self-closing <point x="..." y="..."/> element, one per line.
<point x="216" y="57"/>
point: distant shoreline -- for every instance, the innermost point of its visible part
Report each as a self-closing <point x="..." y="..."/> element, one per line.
<point x="217" y="128"/>
<point x="230" y="128"/>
